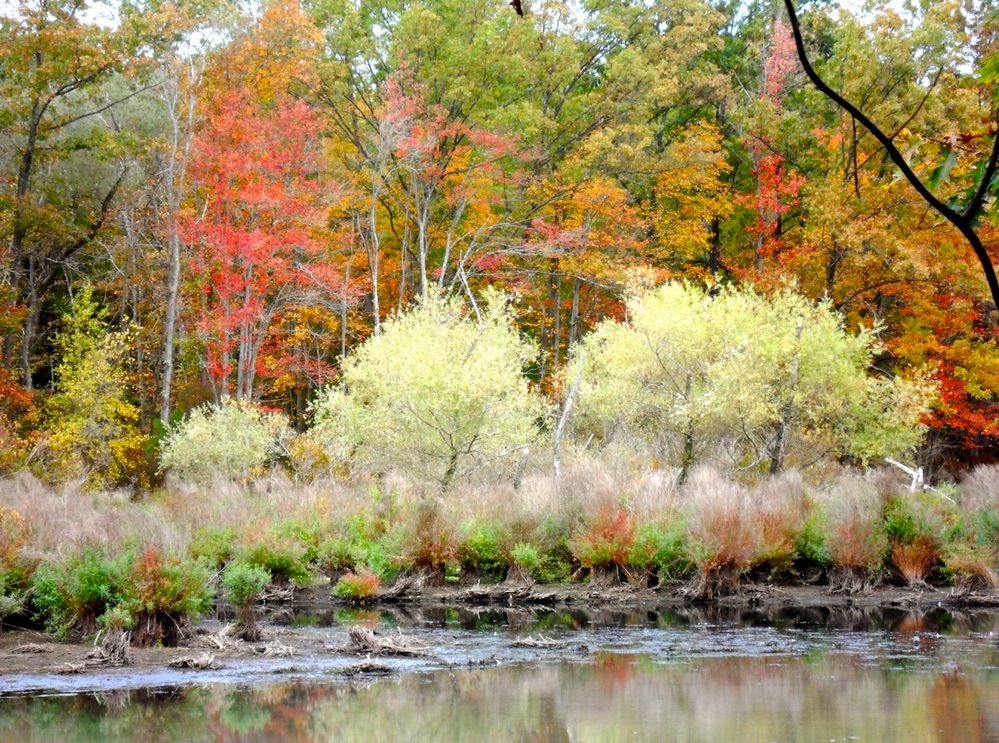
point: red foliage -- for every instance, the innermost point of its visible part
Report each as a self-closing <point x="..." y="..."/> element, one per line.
<point x="258" y="237"/>
<point x="606" y="540"/>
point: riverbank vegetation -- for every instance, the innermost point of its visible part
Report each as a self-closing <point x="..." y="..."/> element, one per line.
<point x="77" y="554"/>
<point x="359" y="292"/>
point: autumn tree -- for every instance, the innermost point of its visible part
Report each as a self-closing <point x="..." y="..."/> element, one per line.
<point x="439" y="393"/>
<point x="257" y="237"/>
<point x="60" y="169"/>
<point x="741" y="376"/>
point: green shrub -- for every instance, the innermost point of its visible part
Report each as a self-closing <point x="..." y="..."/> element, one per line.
<point x="984" y="525"/>
<point x="337" y="553"/>
<point x="810" y="544"/>
<point x="526" y="558"/>
<point x="162" y="593"/>
<point x="215" y="545"/>
<point x="75" y="593"/>
<point x="662" y="550"/>
<point x="233" y="440"/>
<point x="116" y="619"/>
<point x="283" y="558"/>
<point x="243" y="583"/>
<point x="481" y="549"/>
<point x="12" y="601"/>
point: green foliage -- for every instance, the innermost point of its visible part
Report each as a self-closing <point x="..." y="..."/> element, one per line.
<point x="232" y="440"/>
<point x="117" y="618"/>
<point x="437" y="393"/>
<point x="337" y="553"/>
<point x="11" y="601"/>
<point x="168" y="588"/>
<point x="283" y="558"/>
<point x="810" y="543"/>
<point x="918" y="515"/>
<point x="689" y="372"/>
<point x="91" y="426"/>
<point x="243" y="582"/>
<point x="215" y="545"/>
<point x="526" y="557"/>
<point x="75" y="593"/>
<point x="662" y="550"/>
<point x="481" y="548"/>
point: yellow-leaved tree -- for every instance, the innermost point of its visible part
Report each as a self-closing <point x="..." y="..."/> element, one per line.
<point x="761" y="380"/>
<point x="91" y="429"/>
<point x="438" y="393"/>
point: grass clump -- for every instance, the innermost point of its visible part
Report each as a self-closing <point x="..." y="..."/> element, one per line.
<point x="71" y="595"/>
<point x="604" y="545"/>
<point x="722" y="530"/>
<point x="481" y="551"/>
<point x="855" y="533"/>
<point x="165" y="594"/>
<point x="659" y="553"/>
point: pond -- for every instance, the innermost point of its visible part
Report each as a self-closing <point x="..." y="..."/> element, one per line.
<point x="693" y="675"/>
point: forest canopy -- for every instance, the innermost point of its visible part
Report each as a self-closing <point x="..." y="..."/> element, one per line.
<point x="246" y="210"/>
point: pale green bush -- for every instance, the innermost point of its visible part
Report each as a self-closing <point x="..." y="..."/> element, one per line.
<point x="439" y="392"/>
<point x="231" y="440"/>
<point x="762" y="379"/>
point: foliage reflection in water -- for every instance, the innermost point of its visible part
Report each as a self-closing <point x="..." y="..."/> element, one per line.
<point x="882" y="676"/>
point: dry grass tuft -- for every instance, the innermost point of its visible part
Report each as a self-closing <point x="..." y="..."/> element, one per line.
<point x="855" y="534"/>
<point x="980" y="489"/>
<point x="915" y="559"/>
<point x="723" y="531"/>
<point x="781" y="506"/>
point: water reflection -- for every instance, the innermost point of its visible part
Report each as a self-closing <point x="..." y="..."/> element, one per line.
<point x="688" y="674"/>
<point x="615" y="697"/>
<point x="852" y="619"/>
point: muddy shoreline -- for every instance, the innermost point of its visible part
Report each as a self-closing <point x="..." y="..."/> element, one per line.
<point x="33" y="661"/>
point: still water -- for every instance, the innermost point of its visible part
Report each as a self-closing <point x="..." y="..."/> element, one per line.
<point x="648" y="676"/>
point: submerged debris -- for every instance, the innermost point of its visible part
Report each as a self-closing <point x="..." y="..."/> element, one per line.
<point x="364" y="640"/>
<point x="70" y="668"/>
<point x="201" y="662"/>
<point x="369" y="667"/>
<point x="274" y="649"/>
<point x="541" y="641"/>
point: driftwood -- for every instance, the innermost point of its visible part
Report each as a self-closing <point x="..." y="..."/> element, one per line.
<point x="275" y="649"/>
<point x="219" y="640"/>
<point x="201" y="662"/>
<point x="364" y="640"/>
<point x="33" y="647"/>
<point x="70" y="668"/>
<point x="111" y="647"/>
